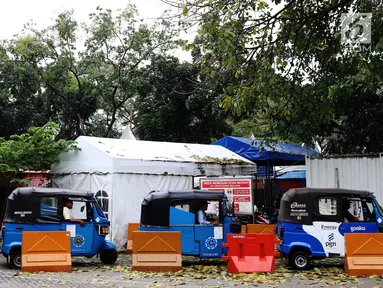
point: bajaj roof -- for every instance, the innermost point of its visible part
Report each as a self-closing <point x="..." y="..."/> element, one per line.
<point x="155" y="207"/>
<point x="296" y="192"/>
<point x="297" y="204"/>
<point x="23" y="205"/>
<point x="26" y="191"/>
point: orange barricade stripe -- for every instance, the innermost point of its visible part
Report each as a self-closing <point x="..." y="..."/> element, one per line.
<point x="261" y="228"/>
<point x="156" y="242"/>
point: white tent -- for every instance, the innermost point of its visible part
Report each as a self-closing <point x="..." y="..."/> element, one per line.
<point x="122" y="172"/>
<point x="128" y="134"/>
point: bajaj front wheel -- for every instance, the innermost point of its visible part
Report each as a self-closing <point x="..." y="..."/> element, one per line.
<point x="15" y="259"/>
<point x="299" y="260"/>
<point x="108" y="256"/>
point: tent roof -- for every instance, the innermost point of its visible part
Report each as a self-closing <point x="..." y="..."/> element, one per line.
<point x="108" y="155"/>
<point x="274" y="154"/>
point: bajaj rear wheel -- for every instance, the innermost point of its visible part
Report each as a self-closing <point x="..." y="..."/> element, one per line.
<point x="108" y="256"/>
<point x="15" y="259"/>
<point x="299" y="260"/>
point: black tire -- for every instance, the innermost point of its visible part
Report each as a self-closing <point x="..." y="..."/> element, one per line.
<point x="300" y="260"/>
<point x="15" y="259"/>
<point x="109" y="256"/>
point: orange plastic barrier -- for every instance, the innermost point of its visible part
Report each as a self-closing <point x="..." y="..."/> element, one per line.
<point x="46" y="251"/>
<point x="261" y="228"/>
<point x="156" y="251"/>
<point x="364" y="254"/>
<point x="243" y="229"/>
<point x="250" y="253"/>
<point x="131" y="228"/>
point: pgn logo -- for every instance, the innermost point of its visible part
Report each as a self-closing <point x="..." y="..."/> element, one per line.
<point x="331" y="244"/>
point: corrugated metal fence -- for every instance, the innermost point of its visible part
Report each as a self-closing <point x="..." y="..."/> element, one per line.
<point x="360" y="172"/>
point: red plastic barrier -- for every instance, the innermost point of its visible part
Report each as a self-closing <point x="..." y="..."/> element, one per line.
<point x="234" y="244"/>
<point x="250" y="253"/>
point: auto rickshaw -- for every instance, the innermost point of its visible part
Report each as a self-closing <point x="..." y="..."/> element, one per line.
<point x="312" y="222"/>
<point x="41" y="209"/>
<point x="176" y="211"/>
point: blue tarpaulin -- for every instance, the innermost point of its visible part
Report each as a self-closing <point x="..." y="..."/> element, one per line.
<point x="268" y="154"/>
<point x="293" y="175"/>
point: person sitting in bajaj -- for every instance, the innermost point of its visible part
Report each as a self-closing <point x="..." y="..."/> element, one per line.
<point x="348" y="217"/>
<point x="67" y="212"/>
<point x="201" y="216"/>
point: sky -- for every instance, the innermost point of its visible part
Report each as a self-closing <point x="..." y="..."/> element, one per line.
<point x="15" y="13"/>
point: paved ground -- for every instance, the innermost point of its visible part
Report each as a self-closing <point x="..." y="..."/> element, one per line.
<point x="90" y="273"/>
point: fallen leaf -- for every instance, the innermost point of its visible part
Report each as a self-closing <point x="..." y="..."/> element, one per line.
<point x="119" y="269"/>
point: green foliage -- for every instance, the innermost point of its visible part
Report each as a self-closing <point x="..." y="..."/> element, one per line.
<point x="170" y="106"/>
<point x="36" y="149"/>
<point x="284" y="64"/>
<point x="117" y="50"/>
<point x="45" y="77"/>
<point x="20" y="86"/>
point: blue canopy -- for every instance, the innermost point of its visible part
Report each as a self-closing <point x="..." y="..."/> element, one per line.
<point x="293" y="175"/>
<point x="272" y="154"/>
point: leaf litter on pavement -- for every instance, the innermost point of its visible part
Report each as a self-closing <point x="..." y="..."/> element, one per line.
<point x="328" y="272"/>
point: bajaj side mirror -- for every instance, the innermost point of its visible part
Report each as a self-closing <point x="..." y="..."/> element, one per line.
<point x="235" y="228"/>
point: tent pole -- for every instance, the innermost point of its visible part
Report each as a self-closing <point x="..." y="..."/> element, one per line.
<point x="269" y="188"/>
<point x="265" y="188"/>
<point x="254" y="195"/>
<point x="275" y="186"/>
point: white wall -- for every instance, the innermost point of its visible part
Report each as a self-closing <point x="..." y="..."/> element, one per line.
<point x="359" y="173"/>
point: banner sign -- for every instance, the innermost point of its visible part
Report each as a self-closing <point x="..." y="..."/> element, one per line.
<point x="238" y="190"/>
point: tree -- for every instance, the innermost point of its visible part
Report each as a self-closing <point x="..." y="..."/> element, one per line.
<point x="43" y="82"/>
<point x="170" y="106"/>
<point x="35" y="150"/>
<point x="117" y="47"/>
<point x="45" y="75"/>
<point x="69" y="91"/>
<point x="285" y="64"/>
<point x="20" y="86"/>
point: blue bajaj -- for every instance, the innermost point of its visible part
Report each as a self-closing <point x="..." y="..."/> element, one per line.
<point x="41" y="209"/>
<point x="177" y="211"/>
<point x="312" y="222"/>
